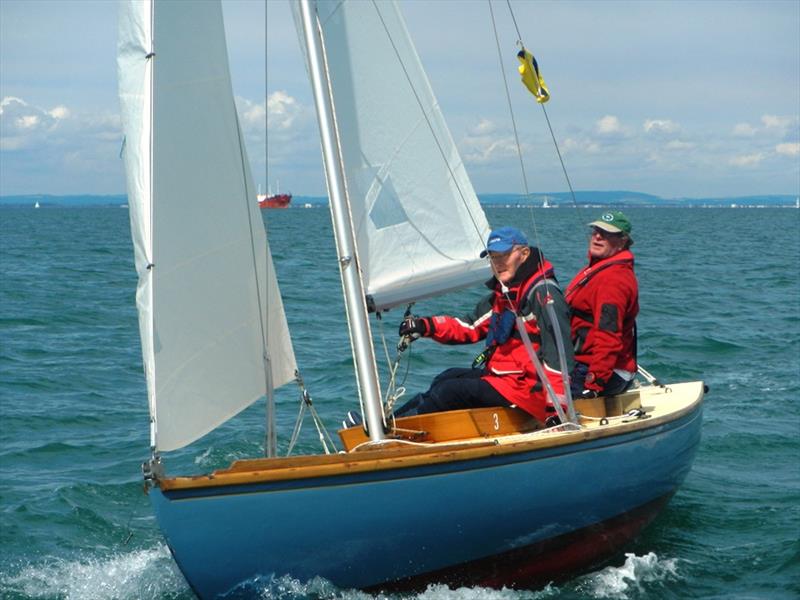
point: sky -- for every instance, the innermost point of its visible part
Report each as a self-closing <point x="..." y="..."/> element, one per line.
<point x="674" y="98"/>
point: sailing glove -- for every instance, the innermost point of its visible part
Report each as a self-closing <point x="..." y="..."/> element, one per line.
<point x="592" y="385"/>
<point x="416" y="327"/>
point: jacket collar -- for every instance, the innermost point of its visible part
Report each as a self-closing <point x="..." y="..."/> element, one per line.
<point x="621" y="256"/>
<point x="533" y="264"/>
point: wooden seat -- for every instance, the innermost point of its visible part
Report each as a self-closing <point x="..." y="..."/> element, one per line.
<point x="450" y="426"/>
<point x="474" y="423"/>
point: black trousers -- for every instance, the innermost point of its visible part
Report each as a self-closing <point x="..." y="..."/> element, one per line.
<point x="451" y="390"/>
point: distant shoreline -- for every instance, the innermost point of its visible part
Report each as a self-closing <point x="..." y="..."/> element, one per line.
<point x="584" y="199"/>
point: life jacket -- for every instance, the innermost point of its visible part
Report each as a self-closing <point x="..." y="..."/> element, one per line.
<point x="583" y="317"/>
<point x="624" y="257"/>
<point x="502" y="324"/>
<point x="613" y="342"/>
<point x="506" y="365"/>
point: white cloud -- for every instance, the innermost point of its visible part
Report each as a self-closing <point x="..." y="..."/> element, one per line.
<point x="252" y="116"/>
<point x="279" y="131"/>
<point x="609" y="125"/>
<point x="487" y="143"/>
<point x="27" y="121"/>
<point x="484" y="127"/>
<point x="771" y="126"/>
<point x="776" y="122"/>
<point x="282" y="110"/>
<point x="788" y="149"/>
<point x="747" y="160"/>
<point x="77" y="147"/>
<point x="585" y="145"/>
<point x="10" y="101"/>
<point x="23" y="125"/>
<point x="744" y="130"/>
<point x="59" y="112"/>
<point x="660" y="126"/>
<point x="483" y="150"/>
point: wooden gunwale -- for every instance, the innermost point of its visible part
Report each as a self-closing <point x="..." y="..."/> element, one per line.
<point x="252" y="471"/>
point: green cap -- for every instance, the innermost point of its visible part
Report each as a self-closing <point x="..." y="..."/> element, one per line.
<point x="613" y="221"/>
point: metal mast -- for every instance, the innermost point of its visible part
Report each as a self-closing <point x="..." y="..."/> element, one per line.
<point x="354" y="300"/>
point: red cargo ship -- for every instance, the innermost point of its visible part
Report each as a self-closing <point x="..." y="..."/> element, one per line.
<point x="274" y="200"/>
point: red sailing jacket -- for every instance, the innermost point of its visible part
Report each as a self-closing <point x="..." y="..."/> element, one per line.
<point x="604" y="298"/>
<point x="509" y="369"/>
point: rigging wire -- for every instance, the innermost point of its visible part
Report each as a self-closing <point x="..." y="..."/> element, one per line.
<point x="322" y="432"/>
<point x="270" y="441"/>
<point x="305" y="396"/>
<point x="544" y="110"/>
<point x="393" y="391"/>
<point x="433" y="134"/>
<point x="428" y="122"/>
<point x="513" y="18"/>
<point x="537" y="238"/>
<point x="413" y="89"/>
<point x="504" y="289"/>
<point x="649" y="377"/>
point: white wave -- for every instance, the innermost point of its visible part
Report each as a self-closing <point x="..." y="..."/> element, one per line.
<point x="137" y="575"/>
<point x="442" y="592"/>
<point x="288" y="588"/>
<point x="202" y="459"/>
<point x="213" y="457"/>
<point x="620" y="582"/>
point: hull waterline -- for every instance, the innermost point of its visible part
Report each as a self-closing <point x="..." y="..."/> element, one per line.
<point x="549" y="560"/>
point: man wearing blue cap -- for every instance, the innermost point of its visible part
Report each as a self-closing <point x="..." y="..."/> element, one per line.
<point x="604" y="299"/>
<point x="523" y="285"/>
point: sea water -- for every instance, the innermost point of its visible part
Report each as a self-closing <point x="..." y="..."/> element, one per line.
<point x="720" y="299"/>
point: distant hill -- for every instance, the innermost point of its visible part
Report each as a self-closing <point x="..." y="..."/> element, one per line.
<point x="50" y="200"/>
<point x="621" y="198"/>
<point x="624" y="198"/>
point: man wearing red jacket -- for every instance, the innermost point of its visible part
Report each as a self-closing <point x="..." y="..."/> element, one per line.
<point x="604" y="299"/>
<point x="523" y="285"/>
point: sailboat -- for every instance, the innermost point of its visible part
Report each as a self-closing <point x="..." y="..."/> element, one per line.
<point x="471" y="497"/>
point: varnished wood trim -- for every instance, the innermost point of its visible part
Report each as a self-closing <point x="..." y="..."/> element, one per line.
<point x="449" y="426"/>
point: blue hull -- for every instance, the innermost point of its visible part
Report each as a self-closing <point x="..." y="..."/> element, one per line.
<point x="511" y="519"/>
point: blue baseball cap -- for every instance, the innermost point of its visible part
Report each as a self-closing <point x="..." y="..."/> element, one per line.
<point x="504" y="239"/>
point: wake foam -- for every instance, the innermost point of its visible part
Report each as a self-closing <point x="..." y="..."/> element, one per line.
<point x="152" y="574"/>
<point x="140" y="574"/>
<point x="631" y="579"/>
<point x="287" y="588"/>
<point x="442" y="592"/>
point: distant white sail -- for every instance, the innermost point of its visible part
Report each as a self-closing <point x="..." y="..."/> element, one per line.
<point x="419" y="226"/>
<point x="207" y="288"/>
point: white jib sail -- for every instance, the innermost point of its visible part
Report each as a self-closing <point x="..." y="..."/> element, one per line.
<point x="419" y="226"/>
<point x="210" y="312"/>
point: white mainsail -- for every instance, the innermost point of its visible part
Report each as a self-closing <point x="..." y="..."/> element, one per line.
<point x="213" y="330"/>
<point x="418" y="225"/>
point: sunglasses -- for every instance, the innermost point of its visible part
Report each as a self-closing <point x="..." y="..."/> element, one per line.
<point x="605" y="234"/>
